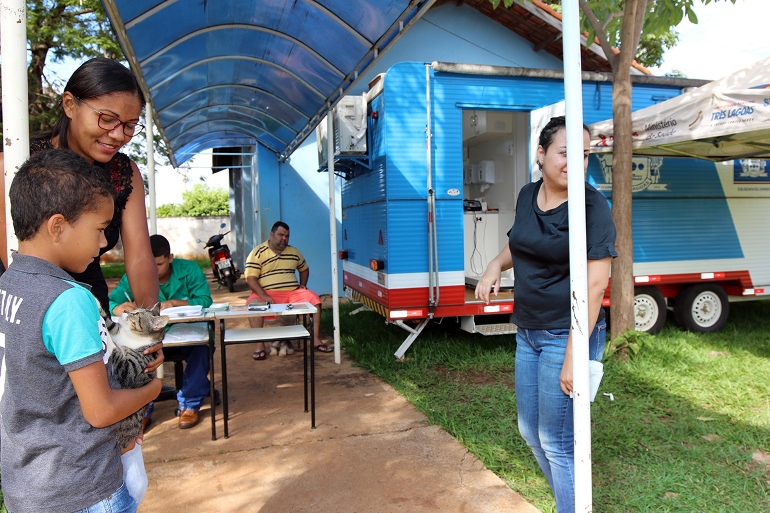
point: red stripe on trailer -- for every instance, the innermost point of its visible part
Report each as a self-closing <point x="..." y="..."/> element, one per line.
<point x="413" y="303"/>
<point x="369" y="289"/>
<point x="450" y="295"/>
<point x="735" y="283"/>
<point x="743" y="277"/>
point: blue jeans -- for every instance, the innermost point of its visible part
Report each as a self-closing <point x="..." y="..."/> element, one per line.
<point x="195" y="381"/>
<point x="545" y="412"/>
<point x="119" y="502"/>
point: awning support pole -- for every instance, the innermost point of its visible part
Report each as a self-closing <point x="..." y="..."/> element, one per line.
<point x="151" y="170"/>
<point x="573" y="96"/>
<point x="333" y="233"/>
<point x="13" y="34"/>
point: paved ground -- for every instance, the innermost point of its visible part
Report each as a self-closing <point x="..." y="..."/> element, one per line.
<point x="372" y="451"/>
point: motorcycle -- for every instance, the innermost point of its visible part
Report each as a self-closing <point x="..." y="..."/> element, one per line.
<point x="222" y="265"/>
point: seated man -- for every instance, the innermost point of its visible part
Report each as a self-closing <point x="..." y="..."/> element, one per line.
<point x="270" y="274"/>
<point x="181" y="283"/>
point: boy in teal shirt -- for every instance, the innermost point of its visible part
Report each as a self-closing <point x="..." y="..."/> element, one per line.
<point x="181" y="283"/>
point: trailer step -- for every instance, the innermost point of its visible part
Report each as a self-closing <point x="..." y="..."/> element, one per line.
<point x="468" y="323"/>
<point x="503" y="328"/>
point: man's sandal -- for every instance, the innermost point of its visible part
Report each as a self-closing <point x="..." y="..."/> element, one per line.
<point x="323" y="348"/>
<point x="259" y="355"/>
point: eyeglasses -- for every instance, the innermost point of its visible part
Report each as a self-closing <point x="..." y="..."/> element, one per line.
<point x="109" y="122"/>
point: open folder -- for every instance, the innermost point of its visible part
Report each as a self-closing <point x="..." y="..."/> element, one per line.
<point x="183" y="311"/>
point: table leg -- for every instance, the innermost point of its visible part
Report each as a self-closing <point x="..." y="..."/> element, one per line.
<point x="304" y="365"/>
<point x="312" y="376"/>
<point x="212" y="346"/>
<point x="224" y="374"/>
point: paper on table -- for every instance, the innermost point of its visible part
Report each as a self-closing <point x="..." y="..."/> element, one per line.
<point x="182" y="311"/>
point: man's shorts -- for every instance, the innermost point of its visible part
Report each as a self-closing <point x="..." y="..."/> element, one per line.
<point x="289" y="296"/>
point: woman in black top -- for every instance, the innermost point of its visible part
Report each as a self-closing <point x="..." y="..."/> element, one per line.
<point x="539" y="248"/>
<point x="100" y="113"/>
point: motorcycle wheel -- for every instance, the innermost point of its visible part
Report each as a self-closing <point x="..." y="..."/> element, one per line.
<point x="230" y="282"/>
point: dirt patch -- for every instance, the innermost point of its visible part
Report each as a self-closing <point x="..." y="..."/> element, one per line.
<point x="483" y="377"/>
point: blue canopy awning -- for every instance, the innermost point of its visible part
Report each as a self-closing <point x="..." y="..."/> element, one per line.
<point x="239" y="72"/>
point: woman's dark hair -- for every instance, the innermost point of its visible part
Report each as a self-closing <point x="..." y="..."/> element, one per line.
<point x="549" y="131"/>
<point x="95" y="77"/>
<point x="54" y="182"/>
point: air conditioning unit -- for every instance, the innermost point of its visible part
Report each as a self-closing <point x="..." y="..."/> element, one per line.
<point x="349" y="129"/>
<point x="350" y="126"/>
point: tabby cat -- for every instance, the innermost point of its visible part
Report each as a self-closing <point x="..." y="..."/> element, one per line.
<point x="127" y="339"/>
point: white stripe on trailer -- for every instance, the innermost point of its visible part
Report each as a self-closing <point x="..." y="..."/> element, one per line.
<point x="405" y="280"/>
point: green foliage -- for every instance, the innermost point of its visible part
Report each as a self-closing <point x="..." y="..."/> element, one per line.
<point x="651" y="48"/>
<point x="202" y="200"/>
<point x="631" y="341"/>
<point x="676" y="74"/>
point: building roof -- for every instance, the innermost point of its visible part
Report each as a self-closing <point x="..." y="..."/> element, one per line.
<point x="538" y="23"/>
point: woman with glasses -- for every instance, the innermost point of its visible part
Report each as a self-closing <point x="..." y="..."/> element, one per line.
<point x="100" y="112"/>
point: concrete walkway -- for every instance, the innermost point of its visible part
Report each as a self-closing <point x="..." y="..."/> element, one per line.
<point x="372" y="451"/>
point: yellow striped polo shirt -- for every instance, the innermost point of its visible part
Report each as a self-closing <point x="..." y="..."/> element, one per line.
<point x="275" y="272"/>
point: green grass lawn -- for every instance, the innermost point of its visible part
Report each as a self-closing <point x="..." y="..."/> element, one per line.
<point x="688" y="430"/>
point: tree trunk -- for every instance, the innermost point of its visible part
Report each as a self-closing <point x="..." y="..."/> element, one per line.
<point x="622" y="284"/>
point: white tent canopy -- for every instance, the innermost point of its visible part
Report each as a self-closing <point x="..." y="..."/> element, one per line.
<point x="722" y="120"/>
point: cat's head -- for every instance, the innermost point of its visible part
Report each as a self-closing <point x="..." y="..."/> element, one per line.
<point x="140" y="327"/>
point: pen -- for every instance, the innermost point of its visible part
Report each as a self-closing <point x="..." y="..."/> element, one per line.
<point x="128" y="297"/>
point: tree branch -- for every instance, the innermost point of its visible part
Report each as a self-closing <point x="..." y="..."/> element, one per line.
<point x="609" y="18"/>
<point x="641" y="14"/>
<point x="600" y="34"/>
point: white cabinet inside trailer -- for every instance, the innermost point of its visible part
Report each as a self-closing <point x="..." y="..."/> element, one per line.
<point x="484" y="237"/>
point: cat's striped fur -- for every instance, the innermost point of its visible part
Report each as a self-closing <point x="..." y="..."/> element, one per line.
<point x="128" y="337"/>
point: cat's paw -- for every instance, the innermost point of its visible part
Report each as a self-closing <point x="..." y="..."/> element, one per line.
<point x="273" y="351"/>
<point x="289" y="350"/>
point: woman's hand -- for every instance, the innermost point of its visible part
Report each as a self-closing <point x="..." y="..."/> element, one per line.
<point x="565" y="378"/>
<point x="489" y="281"/>
<point x="158" y="361"/>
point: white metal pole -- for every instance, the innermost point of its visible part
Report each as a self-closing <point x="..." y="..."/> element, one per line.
<point x="333" y="232"/>
<point x="573" y="96"/>
<point x="151" y="170"/>
<point x="13" y="39"/>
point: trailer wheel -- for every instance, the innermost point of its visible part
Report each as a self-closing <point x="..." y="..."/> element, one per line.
<point x="702" y="308"/>
<point x="649" y="310"/>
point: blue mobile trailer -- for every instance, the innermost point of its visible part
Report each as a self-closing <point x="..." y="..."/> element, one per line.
<point x="412" y="250"/>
